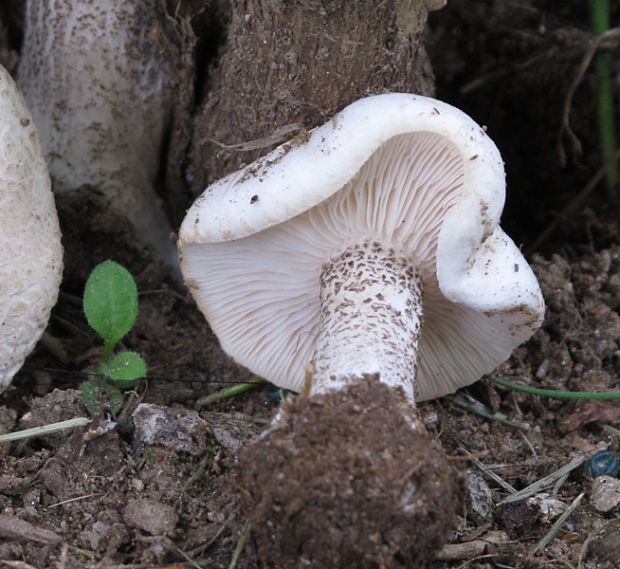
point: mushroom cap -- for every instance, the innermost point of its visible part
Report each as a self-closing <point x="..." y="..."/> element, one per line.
<point x="31" y="253"/>
<point x="411" y="172"/>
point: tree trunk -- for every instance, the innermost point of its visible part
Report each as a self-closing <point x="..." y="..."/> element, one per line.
<point x="286" y="62"/>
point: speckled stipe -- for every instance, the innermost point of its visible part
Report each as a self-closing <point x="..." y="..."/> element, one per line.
<point x="371" y="315"/>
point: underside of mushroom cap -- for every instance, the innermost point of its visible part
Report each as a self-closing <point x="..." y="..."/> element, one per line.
<point x="31" y="253"/>
<point x="410" y="173"/>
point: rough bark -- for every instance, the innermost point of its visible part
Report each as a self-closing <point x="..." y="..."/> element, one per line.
<point x="287" y="62"/>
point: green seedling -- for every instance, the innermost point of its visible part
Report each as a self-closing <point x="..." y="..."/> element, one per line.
<point x="111" y="309"/>
<point x="600" y="13"/>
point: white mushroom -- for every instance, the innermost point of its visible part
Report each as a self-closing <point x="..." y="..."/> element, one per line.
<point x="369" y="247"/>
<point x="30" y="250"/>
<point x="99" y="80"/>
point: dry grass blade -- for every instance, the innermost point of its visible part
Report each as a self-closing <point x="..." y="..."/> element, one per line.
<point x="45" y="429"/>
<point x="555" y="528"/>
<point x="545" y="482"/>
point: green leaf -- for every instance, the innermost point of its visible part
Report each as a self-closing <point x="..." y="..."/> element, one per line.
<point x="125" y="368"/>
<point x="91" y="395"/>
<point x="111" y="302"/>
<point x="115" y="398"/>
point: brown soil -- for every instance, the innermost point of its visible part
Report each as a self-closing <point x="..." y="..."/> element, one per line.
<point x="103" y="497"/>
<point x="348" y="479"/>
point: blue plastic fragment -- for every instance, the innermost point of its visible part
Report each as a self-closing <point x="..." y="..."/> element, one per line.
<point x="604" y="463"/>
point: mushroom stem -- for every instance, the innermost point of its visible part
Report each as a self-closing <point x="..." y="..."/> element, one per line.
<point x="99" y="77"/>
<point x="371" y="316"/>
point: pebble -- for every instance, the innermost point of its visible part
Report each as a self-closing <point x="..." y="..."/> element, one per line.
<point x="480" y="498"/>
<point x="181" y="430"/>
<point x="548" y="506"/>
<point x="150" y="516"/>
<point x="605" y="494"/>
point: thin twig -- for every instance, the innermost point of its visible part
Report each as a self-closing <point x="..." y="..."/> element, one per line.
<point x="489" y="473"/>
<point x="192" y="562"/>
<point x="168" y="291"/>
<point x="529" y="444"/>
<point x="559" y="484"/>
<point x="472" y="405"/>
<point x="472" y="548"/>
<point x="218" y="533"/>
<point x="573" y="206"/>
<point x="76" y="499"/>
<point x="593" y="46"/>
<point x="259" y="143"/>
<point x="13" y="528"/>
<point x="84" y="552"/>
<point x="555" y="528"/>
<point x="568" y="103"/>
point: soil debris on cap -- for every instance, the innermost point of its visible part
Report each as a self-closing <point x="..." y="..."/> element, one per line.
<point x="348" y="479"/>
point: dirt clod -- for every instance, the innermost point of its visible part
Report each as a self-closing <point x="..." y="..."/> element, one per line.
<point x="604" y="550"/>
<point x="181" y="430"/>
<point x="348" y="479"/>
<point x="151" y="516"/>
<point x="605" y="496"/>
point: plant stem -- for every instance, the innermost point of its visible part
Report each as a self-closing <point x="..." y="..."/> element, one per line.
<point x="599" y="17"/>
<point x="229" y="392"/>
<point x="45" y="429"/>
<point x="245" y="533"/>
<point x="555" y="393"/>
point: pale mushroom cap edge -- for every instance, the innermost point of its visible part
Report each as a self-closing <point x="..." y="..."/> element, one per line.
<point x="31" y="252"/>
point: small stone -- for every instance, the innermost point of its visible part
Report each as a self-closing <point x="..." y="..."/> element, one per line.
<point x="94" y="537"/>
<point x="548" y="507"/>
<point x="232" y="431"/>
<point x="150" y="516"/>
<point x="605" y="494"/>
<point x="32" y="498"/>
<point x="480" y="498"/>
<point x="519" y="519"/>
<point x="137" y="484"/>
<point x="180" y="430"/>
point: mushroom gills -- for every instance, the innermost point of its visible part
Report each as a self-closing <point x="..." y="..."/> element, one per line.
<point x="370" y="320"/>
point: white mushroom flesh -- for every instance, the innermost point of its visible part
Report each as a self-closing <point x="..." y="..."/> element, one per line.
<point x="370" y="322"/>
<point x="265" y="296"/>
